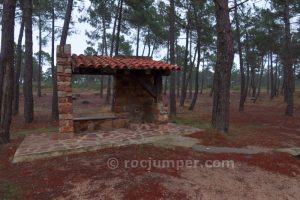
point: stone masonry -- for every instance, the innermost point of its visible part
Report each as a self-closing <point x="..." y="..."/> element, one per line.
<point x="134" y="103"/>
<point x="65" y="102"/>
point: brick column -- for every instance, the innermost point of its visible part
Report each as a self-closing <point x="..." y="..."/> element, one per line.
<point x="65" y="101"/>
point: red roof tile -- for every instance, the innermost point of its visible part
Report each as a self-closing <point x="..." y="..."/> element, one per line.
<point x="120" y="62"/>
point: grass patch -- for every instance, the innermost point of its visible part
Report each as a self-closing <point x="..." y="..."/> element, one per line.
<point x="9" y="190"/>
<point x="191" y="122"/>
<point x="235" y="129"/>
<point x="24" y="133"/>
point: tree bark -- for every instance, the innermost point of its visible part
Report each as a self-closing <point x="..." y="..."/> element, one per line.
<point x="7" y="69"/>
<point x="194" y="100"/>
<point x="248" y="66"/>
<point x="54" y="114"/>
<point x="191" y="85"/>
<point x="183" y="88"/>
<point x="177" y="73"/>
<point x="288" y="68"/>
<point x="105" y="53"/>
<point x="253" y="84"/>
<point x="198" y="28"/>
<point x="268" y="75"/>
<point x="138" y="41"/>
<point x="260" y="79"/>
<point x="202" y="74"/>
<point x="238" y="32"/>
<point x="276" y="80"/>
<point x="18" y="69"/>
<point x="225" y="55"/>
<point x="272" y="77"/>
<point x="39" y="87"/>
<point x="28" y="70"/>
<point x="172" y="59"/>
<point x="113" y="47"/>
<point x="167" y="78"/>
<point x="119" y="28"/>
<point x="67" y="21"/>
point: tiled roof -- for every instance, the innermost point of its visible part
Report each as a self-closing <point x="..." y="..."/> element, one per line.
<point x="120" y="62"/>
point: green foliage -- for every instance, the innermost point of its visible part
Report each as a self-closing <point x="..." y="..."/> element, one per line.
<point x="90" y="51"/>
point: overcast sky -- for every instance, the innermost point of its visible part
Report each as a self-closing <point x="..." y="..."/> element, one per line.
<point x="78" y="40"/>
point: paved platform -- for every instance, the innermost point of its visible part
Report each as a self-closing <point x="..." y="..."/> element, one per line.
<point x="246" y="151"/>
<point x="212" y="149"/>
<point x="43" y="145"/>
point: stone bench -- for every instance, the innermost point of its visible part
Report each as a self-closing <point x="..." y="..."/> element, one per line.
<point x="96" y="123"/>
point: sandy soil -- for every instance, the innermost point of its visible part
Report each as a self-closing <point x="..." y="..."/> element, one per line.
<point x="243" y="182"/>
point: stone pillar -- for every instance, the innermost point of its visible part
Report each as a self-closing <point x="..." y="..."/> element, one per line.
<point x="160" y="111"/>
<point x="65" y="101"/>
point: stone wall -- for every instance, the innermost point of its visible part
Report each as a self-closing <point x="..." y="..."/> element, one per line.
<point x="133" y="102"/>
<point x="65" y="102"/>
<point x="92" y="125"/>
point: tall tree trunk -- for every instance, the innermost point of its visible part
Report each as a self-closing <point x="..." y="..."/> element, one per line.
<point x="18" y="69"/>
<point x="190" y="95"/>
<point x="119" y="28"/>
<point x="194" y="100"/>
<point x="190" y="73"/>
<point x="7" y="69"/>
<point x="225" y="55"/>
<point x="195" y="96"/>
<point x="172" y="59"/>
<point x="109" y="82"/>
<point x="39" y="87"/>
<point x="54" y="113"/>
<point x="28" y="70"/>
<point x="212" y="86"/>
<point x="202" y="74"/>
<point x="167" y="78"/>
<point x="268" y="75"/>
<point x="149" y="48"/>
<point x="288" y="68"/>
<point x="238" y="32"/>
<point x="276" y="78"/>
<point x="112" y="49"/>
<point x="183" y="89"/>
<point x="253" y="85"/>
<point x="67" y="21"/>
<point x="248" y="65"/>
<point x="143" y="53"/>
<point x="138" y="40"/>
<point x="272" y="77"/>
<point x="260" y="79"/>
<point x="198" y="28"/>
<point x="177" y="73"/>
<point x="105" y="53"/>
<point x="154" y="48"/>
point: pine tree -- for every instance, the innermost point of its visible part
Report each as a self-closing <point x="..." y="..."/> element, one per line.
<point x="7" y="69"/>
<point x="225" y="54"/>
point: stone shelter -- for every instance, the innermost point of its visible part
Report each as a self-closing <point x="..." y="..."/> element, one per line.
<point x="137" y="90"/>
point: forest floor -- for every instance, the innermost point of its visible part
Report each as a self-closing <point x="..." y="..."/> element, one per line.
<point x="87" y="175"/>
